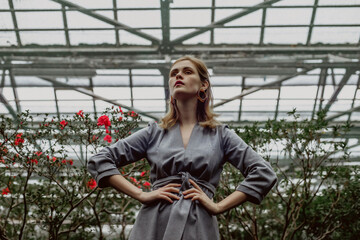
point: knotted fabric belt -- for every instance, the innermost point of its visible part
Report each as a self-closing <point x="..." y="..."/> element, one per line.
<point x="181" y="208"/>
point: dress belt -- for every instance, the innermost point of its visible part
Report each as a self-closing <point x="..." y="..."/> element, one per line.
<point x="180" y="209"/>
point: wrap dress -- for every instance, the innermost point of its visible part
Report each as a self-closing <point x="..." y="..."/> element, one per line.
<point x="202" y="160"/>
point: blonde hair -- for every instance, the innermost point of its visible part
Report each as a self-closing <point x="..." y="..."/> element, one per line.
<point x="205" y="114"/>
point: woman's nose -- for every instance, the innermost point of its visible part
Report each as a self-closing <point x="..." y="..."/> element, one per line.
<point x="178" y="75"/>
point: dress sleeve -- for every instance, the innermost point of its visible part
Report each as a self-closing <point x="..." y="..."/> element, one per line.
<point x="259" y="175"/>
<point x="125" y="151"/>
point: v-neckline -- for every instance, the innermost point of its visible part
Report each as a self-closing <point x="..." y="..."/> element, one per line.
<point x="181" y="137"/>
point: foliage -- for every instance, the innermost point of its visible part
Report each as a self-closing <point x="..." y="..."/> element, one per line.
<point x="48" y="195"/>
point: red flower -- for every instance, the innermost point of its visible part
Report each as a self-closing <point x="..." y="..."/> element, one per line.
<point x="18" y="141"/>
<point x="63" y="161"/>
<point x="71" y="162"/>
<point x="142" y="174"/>
<point x="147" y="184"/>
<point x="63" y="123"/>
<point x="5" y="191"/>
<point x="121" y="110"/>
<point x="108" y="138"/>
<point x="2" y="160"/>
<point x="120" y="118"/>
<point x="134" y="180"/>
<point x="80" y="113"/>
<point x="54" y="159"/>
<point x="104" y="120"/>
<point x="19" y="135"/>
<point x="34" y="161"/>
<point x="91" y="184"/>
<point x="38" y="153"/>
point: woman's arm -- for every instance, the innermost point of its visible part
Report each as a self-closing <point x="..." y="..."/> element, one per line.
<point x="122" y="185"/>
<point x="231" y="201"/>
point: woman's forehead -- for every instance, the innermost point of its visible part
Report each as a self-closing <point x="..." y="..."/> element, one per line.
<point x="183" y="64"/>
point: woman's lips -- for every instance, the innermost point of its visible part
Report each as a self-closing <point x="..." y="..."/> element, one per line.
<point x="178" y="83"/>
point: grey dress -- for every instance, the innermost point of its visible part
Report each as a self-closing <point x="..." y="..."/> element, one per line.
<point x="202" y="160"/>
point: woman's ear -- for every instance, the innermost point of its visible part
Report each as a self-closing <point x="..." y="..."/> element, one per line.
<point x="205" y="84"/>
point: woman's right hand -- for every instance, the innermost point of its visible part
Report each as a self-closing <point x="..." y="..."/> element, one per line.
<point x="160" y="193"/>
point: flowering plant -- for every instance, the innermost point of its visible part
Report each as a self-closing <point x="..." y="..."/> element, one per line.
<point x="46" y="190"/>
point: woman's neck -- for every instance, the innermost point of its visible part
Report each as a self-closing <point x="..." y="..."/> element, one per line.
<point x="187" y="111"/>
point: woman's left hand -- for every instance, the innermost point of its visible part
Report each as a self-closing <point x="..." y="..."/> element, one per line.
<point x="197" y="193"/>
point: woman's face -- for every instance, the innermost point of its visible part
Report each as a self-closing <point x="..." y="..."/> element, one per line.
<point x="184" y="82"/>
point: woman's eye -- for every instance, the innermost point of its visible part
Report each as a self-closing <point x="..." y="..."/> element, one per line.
<point x="188" y="72"/>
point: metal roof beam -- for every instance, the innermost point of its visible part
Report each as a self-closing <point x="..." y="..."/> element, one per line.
<point x="255" y="89"/>
<point x="342" y="83"/>
<point x="91" y="94"/>
<point x="108" y="20"/>
<point x="224" y="21"/>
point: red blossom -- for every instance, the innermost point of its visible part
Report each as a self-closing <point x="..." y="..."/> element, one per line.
<point x="71" y="162"/>
<point x="134" y="180"/>
<point x="108" y="138"/>
<point x="38" y="153"/>
<point x="63" y="123"/>
<point x="18" y="139"/>
<point x="104" y="120"/>
<point x="5" y="191"/>
<point x="80" y="113"/>
<point x="142" y="174"/>
<point x="91" y="184"/>
<point x="147" y="184"/>
<point x="54" y="159"/>
<point x="2" y="160"/>
<point x="121" y="110"/>
<point x="34" y="161"/>
<point x="120" y="118"/>
<point x="63" y="161"/>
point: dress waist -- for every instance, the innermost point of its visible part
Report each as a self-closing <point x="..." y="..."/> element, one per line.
<point x="183" y="178"/>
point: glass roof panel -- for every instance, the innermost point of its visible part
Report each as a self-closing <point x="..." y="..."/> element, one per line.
<point x="148" y="80"/>
<point x="93" y="3"/>
<point x="7" y="39"/>
<point x="129" y="38"/>
<point x="145" y="71"/>
<point x="288" y="16"/>
<point x="302" y="80"/>
<point x="300" y="105"/>
<point x="341" y="105"/>
<point x="202" y="38"/>
<point x="39" y="106"/>
<point x="71" y="95"/>
<point x="111" y="80"/>
<point x="225" y="92"/>
<point x="152" y="93"/>
<point x="230" y="106"/>
<point x="190" y="18"/>
<point x="355" y="116"/>
<point x="225" y="80"/>
<point x="286" y="35"/>
<point x="234" y="3"/>
<point x="335" y="35"/>
<point x="150" y="105"/>
<point x="4" y="4"/>
<point x="190" y="3"/>
<point x="70" y="107"/>
<point x="8" y="93"/>
<point x="264" y="93"/>
<point x="138" y="4"/>
<point x="77" y="19"/>
<point x="43" y="37"/>
<point x="157" y="33"/>
<point x="294" y="3"/>
<point x="41" y="20"/>
<point x="40" y="4"/>
<point x="258" y="105"/>
<point x="35" y="93"/>
<point x="113" y="92"/>
<point x="347" y="92"/>
<point x="140" y="19"/>
<point x="251" y="19"/>
<point x="337" y="15"/>
<point x="92" y="37"/>
<point x="249" y="116"/>
<point x="336" y="2"/>
<point x="300" y="92"/>
<point x="175" y="33"/>
<point x="237" y="35"/>
<point x="6" y="21"/>
<point x="101" y="105"/>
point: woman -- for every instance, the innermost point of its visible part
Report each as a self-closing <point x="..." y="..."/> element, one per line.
<point x="186" y="152"/>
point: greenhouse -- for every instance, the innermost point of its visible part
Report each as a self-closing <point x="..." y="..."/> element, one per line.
<point x="83" y="76"/>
